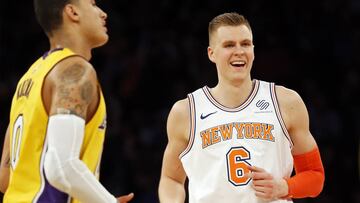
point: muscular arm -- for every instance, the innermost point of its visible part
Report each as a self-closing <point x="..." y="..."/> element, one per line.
<point x="309" y="178"/>
<point x="5" y="163"/>
<point x="171" y="188"/>
<point x="72" y="86"/>
<point x="296" y="118"/>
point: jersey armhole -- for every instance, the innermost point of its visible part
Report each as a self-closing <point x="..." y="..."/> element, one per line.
<point x="192" y="125"/>
<point x="278" y="114"/>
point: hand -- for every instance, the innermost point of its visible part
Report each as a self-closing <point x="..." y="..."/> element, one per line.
<point x="125" y="198"/>
<point x="265" y="186"/>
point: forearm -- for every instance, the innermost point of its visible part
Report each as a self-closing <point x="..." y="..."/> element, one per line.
<point x="74" y="178"/>
<point x="310" y="176"/>
<point x="5" y="164"/>
<point x="305" y="184"/>
<point x="63" y="168"/>
<point x="171" y="191"/>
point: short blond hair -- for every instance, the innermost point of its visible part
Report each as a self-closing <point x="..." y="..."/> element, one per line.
<point x="227" y="19"/>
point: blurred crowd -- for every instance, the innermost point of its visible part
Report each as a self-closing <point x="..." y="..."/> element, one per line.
<point x="157" y="54"/>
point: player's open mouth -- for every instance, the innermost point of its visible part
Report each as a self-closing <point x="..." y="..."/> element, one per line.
<point x="238" y="64"/>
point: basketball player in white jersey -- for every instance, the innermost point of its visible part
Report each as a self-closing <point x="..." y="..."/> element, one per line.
<point x="238" y="142"/>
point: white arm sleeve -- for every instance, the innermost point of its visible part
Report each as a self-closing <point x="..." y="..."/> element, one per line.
<point x="63" y="168"/>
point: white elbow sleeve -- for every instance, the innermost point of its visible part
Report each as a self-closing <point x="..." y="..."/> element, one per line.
<point x="63" y="168"/>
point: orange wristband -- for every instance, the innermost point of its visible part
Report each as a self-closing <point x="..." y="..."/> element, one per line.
<point x="310" y="175"/>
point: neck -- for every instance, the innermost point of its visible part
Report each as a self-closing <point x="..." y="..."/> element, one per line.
<point x="231" y="95"/>
<point x="72" y="42"/>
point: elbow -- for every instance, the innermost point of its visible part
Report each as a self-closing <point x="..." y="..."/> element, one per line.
<point x="319" y="180"/>
<point x="53" y="169"/>
<point x="49" y="171"/>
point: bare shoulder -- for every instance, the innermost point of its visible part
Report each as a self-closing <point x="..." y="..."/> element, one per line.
<point x="296" y="118"/>
<point x="291" y="105"/>
<point x="287" y="96"/>
<point x="72" y="70"/>
<point x="289" y="101"/>
<point x="178" y="122"/>
<point x="180" y="109"/>
<point x="72" y="85"/>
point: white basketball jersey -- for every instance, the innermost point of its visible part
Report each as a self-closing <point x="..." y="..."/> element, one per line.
<point x="224" y="141"/>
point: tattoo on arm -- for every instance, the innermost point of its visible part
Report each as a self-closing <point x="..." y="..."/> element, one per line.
<point x="74" y="91"/>
<point x="72" y="74"/>
<point x="87" y="90"/>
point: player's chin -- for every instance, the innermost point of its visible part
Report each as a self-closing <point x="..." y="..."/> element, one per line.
<point x="102" y="40"/>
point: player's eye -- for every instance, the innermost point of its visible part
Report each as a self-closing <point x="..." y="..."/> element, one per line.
<point x="228" y="45"/>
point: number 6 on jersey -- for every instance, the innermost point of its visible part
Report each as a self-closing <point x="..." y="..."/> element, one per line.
<point x="237" y="166"/>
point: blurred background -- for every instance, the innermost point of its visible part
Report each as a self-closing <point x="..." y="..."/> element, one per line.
<point x="157" y="54"/>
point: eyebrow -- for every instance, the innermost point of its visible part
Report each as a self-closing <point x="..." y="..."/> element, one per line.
<point x="228" y="42"/>
<point x="233" y="41"/>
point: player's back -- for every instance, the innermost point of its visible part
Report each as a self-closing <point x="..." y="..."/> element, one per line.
<point x="28" y="125"/>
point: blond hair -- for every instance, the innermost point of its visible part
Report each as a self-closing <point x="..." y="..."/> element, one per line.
<point x="227" y="19"/>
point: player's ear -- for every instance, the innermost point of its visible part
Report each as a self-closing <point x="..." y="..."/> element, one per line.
<point x="71" y="12"/>
<point x="210" y="52"/>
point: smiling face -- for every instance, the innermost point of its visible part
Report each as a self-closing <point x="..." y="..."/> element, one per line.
<point x="232" y="50"/>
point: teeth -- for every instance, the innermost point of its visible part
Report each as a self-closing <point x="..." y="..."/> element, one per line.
<point x="238" y="63"/>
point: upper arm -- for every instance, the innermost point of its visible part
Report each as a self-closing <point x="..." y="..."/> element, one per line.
<point x="296" y="118"/>
<point x="73" y="88"/>
<point x="5" y="163"/>
<point x="178" y="136"/>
